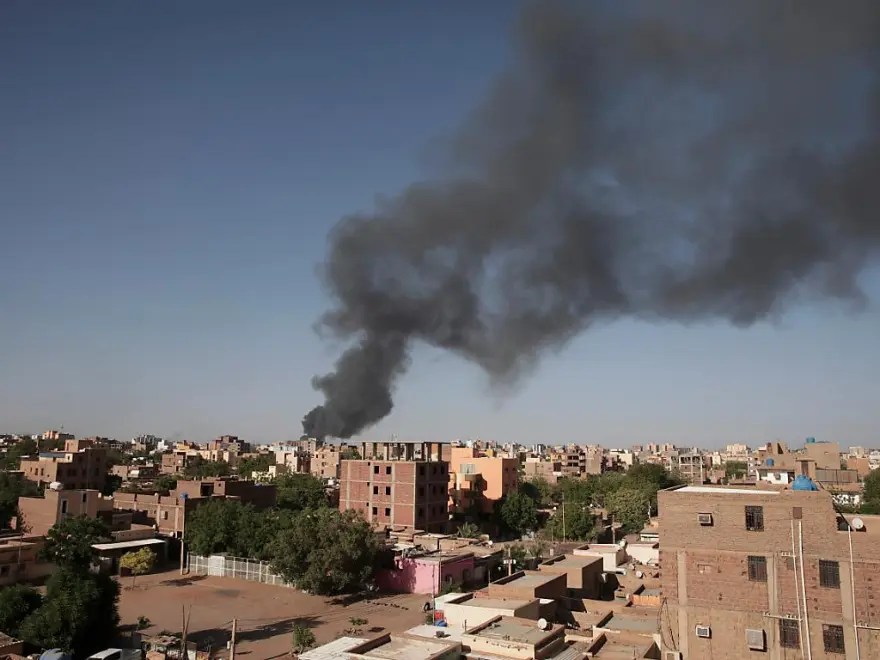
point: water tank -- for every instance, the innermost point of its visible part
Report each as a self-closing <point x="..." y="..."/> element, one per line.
<point x="770" y="462"/>
<point x="803" y="482"/>
<point x="56" y="485"/>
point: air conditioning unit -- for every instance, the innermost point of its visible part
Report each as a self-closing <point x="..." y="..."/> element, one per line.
<point x="672" y="655"/>
<point x="704" y="631"/>
<point x="755" y="640"/>
<point x="704" y="519"/>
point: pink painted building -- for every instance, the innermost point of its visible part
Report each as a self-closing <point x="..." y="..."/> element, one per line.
<point x="427" y="574"/>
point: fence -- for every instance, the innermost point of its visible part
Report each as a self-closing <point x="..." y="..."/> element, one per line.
<point x="252" y="570"/>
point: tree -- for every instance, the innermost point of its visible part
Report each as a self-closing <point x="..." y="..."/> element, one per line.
<point x="16" y="603"/>
<point x="11" y="460"/>
<point x="165" y="482"/>
<point x="303" y="638"/>
<point x="735" y="469"/>
<point x="79" y="614"/>
<point x="296" y="492"/>
<point x="350" y="454"/>
<point x="871" y="492"/>
<point x="112" y="483"/>
<point x="12" y="487"/>
<point x="217" y="525"/>
<point x="546" y="492"/>
<point x="325" y="551"/>
<point x="259" y="463"/>
<point x="519" y="512"/>
<point x="629" y="506"/>
<point x="469" y="531"/>
<point x="199" y="468"/>
<point x="579" y="523"/>
<point x="138" y="562"/>
<point x="69" y="542"/>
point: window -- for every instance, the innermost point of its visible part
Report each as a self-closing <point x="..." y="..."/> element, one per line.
<point x="832" y="637"/>
<point x="84" y="495"/>
<point x="420" y="513"/>
<point x="421" y="491"/>
<point x="757" y="569"/>
<point x="4" y="570"/>
<point x="375" y="469"/>
<point x="433" y="469"/>
<point x="388" y="490"/>
<point x="755" y="518"/>
<point x="375" y="511"/>
<point x="164" y="515"/>
<point x="829" y="574"/>
<point x="387" y="511"/>
<point x="375" y="490"/>
<point x="789" y="563"/>
<point x="421" y="470"/>
<point x="63" y="506"/>
<point x="789" y="634"/>
<point x="387" y="469"/>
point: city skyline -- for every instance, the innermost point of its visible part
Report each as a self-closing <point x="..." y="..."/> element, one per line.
<point x="169" y="195"/>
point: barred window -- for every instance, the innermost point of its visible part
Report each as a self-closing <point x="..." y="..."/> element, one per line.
<point x="755" y="518"/>
<point x="789" y="634"/>
<point x="829" y="574"/>
<point x="757" y="569"/>
<point x="832" y="637"/>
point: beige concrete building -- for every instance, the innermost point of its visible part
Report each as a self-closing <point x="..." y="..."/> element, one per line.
<point x="81" y="465"/>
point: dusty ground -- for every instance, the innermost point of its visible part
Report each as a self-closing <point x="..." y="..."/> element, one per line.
<point x="265" y="614"/>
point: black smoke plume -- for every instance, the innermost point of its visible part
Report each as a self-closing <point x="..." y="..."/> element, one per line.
<point x="663" y="160"/>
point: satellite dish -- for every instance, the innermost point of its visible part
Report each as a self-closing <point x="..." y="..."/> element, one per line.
<point x="857" y="523"/>
<point x="542" y="624"/>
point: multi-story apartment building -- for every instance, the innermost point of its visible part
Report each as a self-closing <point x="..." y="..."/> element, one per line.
<point x="536" y="468"/>
<point x="477" y="481"/>
<point x="39" y="514"/>
<point x="325" y="461"/>
<point x="81" y="465"/>
<point x="689" y="464"/>
<point x="767" y="572"/>
<point x="397" y="484"/>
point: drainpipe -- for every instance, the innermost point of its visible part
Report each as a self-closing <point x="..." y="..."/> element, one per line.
<point x="852" y="588"/>
<point x="797" y="598"/>
<point x="804" y="591"/>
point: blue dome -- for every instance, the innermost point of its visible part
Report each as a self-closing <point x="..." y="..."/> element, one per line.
<point x="803" y="482"/>
<point x="770" y="462"/>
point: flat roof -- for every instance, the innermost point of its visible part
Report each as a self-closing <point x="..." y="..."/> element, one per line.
<point x="529" y="580"/>
<point x="732" y="491"/>
<point x="620" y="621"/>
<point x="450" y="634"/>
<point x="513" y="630"/>
<point x="121" y="545"/>
<point x="405" y="648"/>
<point x="335" y="650"/>
<point x="497" y="603"/>
<point x="572" y="561"/>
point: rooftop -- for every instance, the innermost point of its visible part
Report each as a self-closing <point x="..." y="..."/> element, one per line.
<point x="335" y="650"/>
<point x="722" y="489"/>
<point x="402" y="648"/>
<point x="510" y="629"/>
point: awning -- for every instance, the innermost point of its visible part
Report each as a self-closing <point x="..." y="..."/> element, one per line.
<point x="124" y="545"/>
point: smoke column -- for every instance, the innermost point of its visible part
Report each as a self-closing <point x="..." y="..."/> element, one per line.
<point x="677" y="161"/>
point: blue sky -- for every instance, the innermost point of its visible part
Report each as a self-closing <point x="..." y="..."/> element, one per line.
<point x="169" y="175"/>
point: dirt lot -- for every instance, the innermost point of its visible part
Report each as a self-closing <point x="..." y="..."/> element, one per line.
<point x="265" y="614"/>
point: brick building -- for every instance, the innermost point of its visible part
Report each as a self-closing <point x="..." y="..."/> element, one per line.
<point x="326" y="460"/>
<point x="81" y="465"/>
<point x="168" y="512"/>
<point x="38" y="514"/>
<point x="397" y="485"/>
<point x="764" y="572"/>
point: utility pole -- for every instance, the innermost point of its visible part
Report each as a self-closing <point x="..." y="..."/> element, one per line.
<point x="563" y="516"/>
<point x="232" y="642"/>
<point x="182" y="554"/>
<point x="183" y="648"/>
